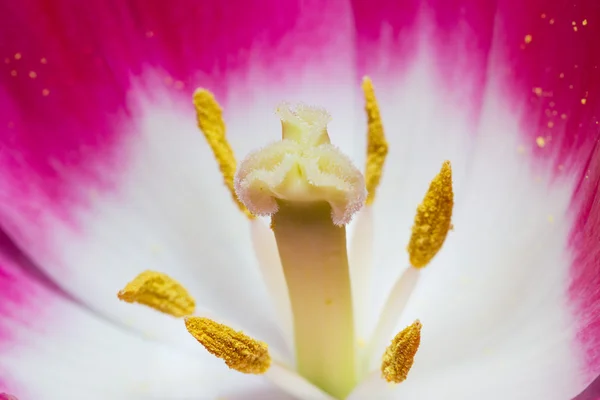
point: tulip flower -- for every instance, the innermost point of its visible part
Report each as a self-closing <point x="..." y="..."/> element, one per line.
<point x="299" y="199"/>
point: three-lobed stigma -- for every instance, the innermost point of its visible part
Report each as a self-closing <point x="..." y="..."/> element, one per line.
<point x="302" y="167"/>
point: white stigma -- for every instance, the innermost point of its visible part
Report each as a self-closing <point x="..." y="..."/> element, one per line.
<point x="303" y="167"/>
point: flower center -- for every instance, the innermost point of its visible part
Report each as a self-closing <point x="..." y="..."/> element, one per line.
<point x="311" y="191"/>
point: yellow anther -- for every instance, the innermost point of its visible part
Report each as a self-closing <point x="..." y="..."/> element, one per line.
<point x="377" y="146"/>
<point x="238" y="350"/>
<point x="433" y="219"/>
<point x="159" y="291"/>
<point x="400" y="354"/>
<point x="210" y="121"/>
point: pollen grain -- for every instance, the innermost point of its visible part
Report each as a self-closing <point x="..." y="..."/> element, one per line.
<point x="159" y="291"/>
<point x="433" y="219"/>
<point x="209" y="115"/>
<point x="399" y="356"/>
<point x="377" y="146"/>
<point x="239" y="351"/>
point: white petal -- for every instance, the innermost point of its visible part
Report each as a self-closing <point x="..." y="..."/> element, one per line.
<point x="52" y="348"/>
<point x="506" y="375"/>
<point x="492" y="302"/>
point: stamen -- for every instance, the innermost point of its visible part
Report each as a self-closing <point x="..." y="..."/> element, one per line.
<point x="377" y="146"/>
<point x="433" y="219"/>
<point x="210" y="120"/>
<point x="159" y="291"/>
<point x="393" y="307"/>
<point x="400" y="354"/>
<point x="238" y="350"/>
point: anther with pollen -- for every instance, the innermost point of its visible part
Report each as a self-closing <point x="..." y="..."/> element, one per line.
<point x="377" y="146"/>
<point x="238" y="350"/>
<point x="210" y="121"/>
<point x="400" y="354"/>
<point x="159" y="291"/>
<point x="433" y="219"/>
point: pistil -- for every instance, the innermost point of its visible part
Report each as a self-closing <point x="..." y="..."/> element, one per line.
<point x="311" y="191"/>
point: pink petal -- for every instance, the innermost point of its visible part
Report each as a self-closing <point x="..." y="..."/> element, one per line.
<point x="20" y="298"/>
<point x="585" y="271"/>
<point x="592" y="392"/>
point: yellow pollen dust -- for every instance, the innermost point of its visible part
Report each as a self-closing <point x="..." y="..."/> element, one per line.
<point x="159" y="291"/>
<point x="377" y="146"/>
<point x="400" y="354"/>
<point x="541" y="142"/>
<point x="433" y="219"/>
<point x="210" y="121"/>
<point x="238" y="350"/>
